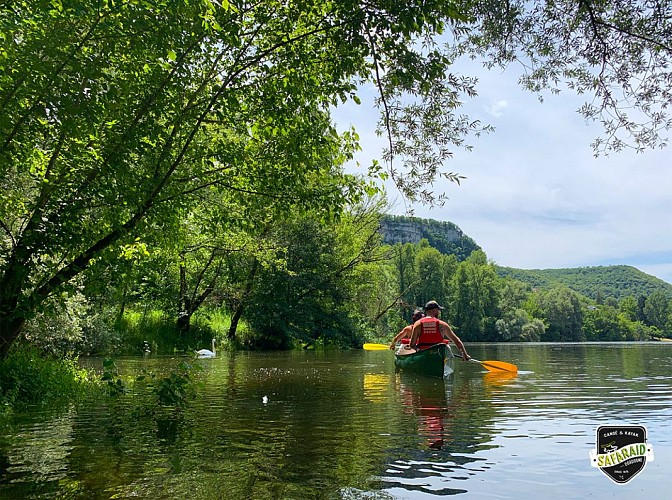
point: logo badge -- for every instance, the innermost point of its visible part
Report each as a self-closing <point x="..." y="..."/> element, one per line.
<point x="621" y="451"/>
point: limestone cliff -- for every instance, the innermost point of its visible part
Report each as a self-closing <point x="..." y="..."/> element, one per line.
<point x="446" y="237"/>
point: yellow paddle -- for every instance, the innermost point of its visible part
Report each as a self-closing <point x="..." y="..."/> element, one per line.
<point x="493" y="366"/>
<point x="376" y="347"/>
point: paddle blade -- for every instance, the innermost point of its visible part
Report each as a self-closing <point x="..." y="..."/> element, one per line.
<point x="496" y="366"/>
<point x="376" y="347"/>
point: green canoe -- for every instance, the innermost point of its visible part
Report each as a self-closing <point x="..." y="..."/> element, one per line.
<point x="435" y="361"/>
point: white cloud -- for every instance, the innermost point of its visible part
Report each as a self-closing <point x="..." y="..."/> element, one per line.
<point x="536" y="197"/>
<point x="497" y="109"/>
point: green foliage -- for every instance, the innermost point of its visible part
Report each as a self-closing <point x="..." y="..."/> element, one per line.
<point x="175" y="390"/>
<point x="560" y="43"/>
<point x="629" y="308"/>
<point x="429" y="266"/>
<point x="608" y="281"/>
<point x="605" y="323"/>
<point x="519" y="326"/>
<point x="137" y="161"/>
<point x="490" y="303"/>
<point x="110" y="140"/>
<point x="307" y="295"/>
<point x="158" y="330"/>
<point x="657" y="310"/>
<point x="114" y="384"/>
<point x="29" y="376"/>
<point x="562" y="314"/>
<point x="474" y="307"/>
<point x="72" y="324"/>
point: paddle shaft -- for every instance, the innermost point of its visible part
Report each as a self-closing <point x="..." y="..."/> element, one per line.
<point x="376" y="347"/>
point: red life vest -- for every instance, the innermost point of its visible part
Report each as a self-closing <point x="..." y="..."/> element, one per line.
<point x="430" y="333"/>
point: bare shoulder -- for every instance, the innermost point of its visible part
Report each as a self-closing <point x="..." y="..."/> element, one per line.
<point x="445" y="327"/>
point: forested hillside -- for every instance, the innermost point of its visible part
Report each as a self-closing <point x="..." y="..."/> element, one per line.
<point x="594" y="282"/>
<point x="597" y="282"/>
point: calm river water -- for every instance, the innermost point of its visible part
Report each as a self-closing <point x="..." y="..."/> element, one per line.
<point x="344" y="424"/>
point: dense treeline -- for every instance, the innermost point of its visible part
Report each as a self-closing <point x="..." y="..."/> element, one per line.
<point x="311" y="281"/>
<point x="484" y="306"/>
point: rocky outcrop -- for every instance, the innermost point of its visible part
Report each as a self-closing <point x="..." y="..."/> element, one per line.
<point x="446" y="237"/>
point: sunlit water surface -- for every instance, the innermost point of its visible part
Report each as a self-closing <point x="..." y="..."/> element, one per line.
<point x="345" y="424"/>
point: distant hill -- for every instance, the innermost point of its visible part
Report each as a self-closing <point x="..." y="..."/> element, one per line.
<point x="607" y="281"/>
<point x="446" y="237"/>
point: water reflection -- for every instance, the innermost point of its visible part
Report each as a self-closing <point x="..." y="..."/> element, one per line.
<point x="347" y="425"/>
<point x="499" y="378"/>
<point x="377" y="387"/>
<point x="40" y="450"/>
<point x="451" y="422"/>
<point x="427" y="399"/>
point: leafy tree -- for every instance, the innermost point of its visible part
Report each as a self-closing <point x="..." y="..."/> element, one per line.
<point x="382" y="309"/>
<point x="603" y="323"/>
<point x="617" y="52"/>
<point x="474" y="305"/>
<point x="636" y="330"/>
<point x="657" y="311"/>
<point x="429" y="265"/>
<point x="628" y="306"/>
<point x="193" y="257"/>
<point x="115" y="115"/>
<point x="515" y="322"/>
<point x="408" y="278"/>
<point x="519" y="326"/>
<point x="560" y="308"/>
<point x="512" y="294"/>
<point x="307" y="295"/>
<point x="641" y="302"/>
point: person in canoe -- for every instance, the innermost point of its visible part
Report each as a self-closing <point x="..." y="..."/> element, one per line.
<point x="431" y="330"/>
<point x="406" y="332"/>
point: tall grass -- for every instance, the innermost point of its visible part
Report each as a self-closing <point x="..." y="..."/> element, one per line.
<point x="157" y="331"/>
<point x="29" y="376"/>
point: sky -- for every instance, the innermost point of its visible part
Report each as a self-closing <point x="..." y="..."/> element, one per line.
<point x="535" y="197"/>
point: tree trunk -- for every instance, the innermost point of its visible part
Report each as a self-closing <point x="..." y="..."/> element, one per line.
<point x="10" y="328"/>
<point x="238" y="310"/>
<point x="185" y="312"/>
<point x="237" y="314"/>
<point x="188" y="303"/>
<point x="184" y="322"/>
<point x="12" y="309"/>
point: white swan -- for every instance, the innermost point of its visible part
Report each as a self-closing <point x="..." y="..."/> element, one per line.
<point x="205" y="353"/>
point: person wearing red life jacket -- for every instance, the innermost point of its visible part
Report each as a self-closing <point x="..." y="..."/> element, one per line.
<point x="431" y="330"/>
<point x="405" y="334"/>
